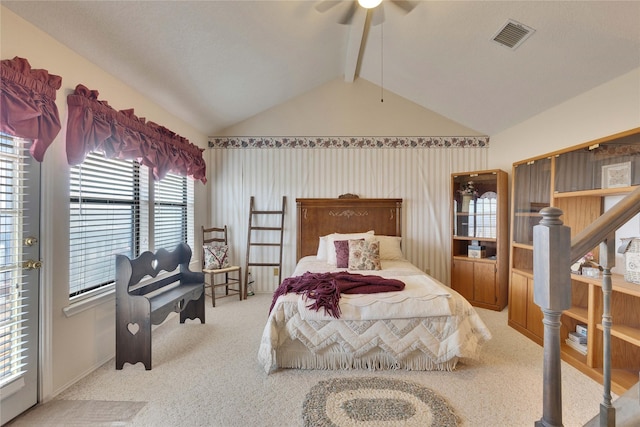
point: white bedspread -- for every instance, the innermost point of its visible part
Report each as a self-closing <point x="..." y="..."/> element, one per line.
<point x="421" y="295"/>
<point x="426" y="317"/>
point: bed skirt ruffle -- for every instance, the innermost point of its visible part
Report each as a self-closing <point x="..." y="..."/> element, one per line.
<point x="300" y="358"/>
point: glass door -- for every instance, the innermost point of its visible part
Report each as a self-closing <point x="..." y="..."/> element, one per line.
<point x="531" y="193"/>
<point x="19" y="277"/>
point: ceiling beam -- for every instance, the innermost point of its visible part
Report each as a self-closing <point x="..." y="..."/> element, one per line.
<point x="355" y="44"/>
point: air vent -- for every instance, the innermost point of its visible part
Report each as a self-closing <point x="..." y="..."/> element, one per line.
<point x="513" y="34"/>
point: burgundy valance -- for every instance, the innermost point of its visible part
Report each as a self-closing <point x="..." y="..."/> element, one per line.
<point x="28" y="104"/>
<point x="93" y="125"/>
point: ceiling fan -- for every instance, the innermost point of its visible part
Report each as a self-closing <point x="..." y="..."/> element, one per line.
<point x="376" y="7"/>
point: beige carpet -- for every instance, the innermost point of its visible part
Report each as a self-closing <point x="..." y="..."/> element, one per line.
<point x="79" y="413"/>
<point x="208" y="375"/>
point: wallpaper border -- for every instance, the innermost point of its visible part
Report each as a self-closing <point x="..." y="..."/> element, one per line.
<point x="349" y="142"/>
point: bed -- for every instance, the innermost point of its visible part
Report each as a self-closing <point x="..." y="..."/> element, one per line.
<point x="425" y="326"/>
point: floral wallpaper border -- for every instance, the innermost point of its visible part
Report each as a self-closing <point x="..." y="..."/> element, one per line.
<point x="349" y="142"/>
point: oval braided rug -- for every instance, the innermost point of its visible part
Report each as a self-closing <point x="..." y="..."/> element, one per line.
<point x="372" y="401"/>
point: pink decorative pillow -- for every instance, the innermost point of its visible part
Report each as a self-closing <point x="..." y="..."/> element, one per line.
<point x="342" y="253"/>
<point x="364" y="255"/>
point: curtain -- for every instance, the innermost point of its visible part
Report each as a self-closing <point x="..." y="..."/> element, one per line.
<point x="93" y="125"/>
<point x="28" y="104"/>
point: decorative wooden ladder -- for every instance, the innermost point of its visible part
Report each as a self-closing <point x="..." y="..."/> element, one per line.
<point x="259" y="228"/>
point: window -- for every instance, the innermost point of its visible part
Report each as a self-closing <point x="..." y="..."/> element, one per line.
<point x="110" y="214"/>
<point x="13" y="316"/>
<point x="173" y="211"/>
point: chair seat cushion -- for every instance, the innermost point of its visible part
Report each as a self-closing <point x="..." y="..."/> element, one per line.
<point x="221" y="270"/>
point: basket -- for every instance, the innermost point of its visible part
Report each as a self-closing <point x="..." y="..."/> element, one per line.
<point x="631" y="249"/>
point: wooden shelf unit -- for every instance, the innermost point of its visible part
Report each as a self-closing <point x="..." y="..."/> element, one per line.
<point x="571" y="180"/>
<point x="482" y="281"/>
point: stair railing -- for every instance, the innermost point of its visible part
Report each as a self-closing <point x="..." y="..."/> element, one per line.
<point x="554" y="252"/>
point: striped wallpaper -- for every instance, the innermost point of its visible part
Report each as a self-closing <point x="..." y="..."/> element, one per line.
<point x="420" y="176"/>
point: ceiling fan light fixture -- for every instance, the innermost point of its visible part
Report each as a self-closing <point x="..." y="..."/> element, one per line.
<point x="369" y="4"/>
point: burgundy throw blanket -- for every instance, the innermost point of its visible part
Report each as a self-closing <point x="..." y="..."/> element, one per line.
<point x="325" y="288"/>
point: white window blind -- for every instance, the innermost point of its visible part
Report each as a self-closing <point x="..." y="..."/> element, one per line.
<point x="110" y="202"/>
<point x="105" y="219"/>
<point x="13" y="340"/>
<point x="173" y="206"/>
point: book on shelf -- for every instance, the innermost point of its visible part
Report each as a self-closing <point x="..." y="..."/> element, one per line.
<point x="576" y="337"/>
<point x="581" y="329"/>
<point x="580" y="348"/>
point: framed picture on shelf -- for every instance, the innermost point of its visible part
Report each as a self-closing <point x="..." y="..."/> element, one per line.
<point x="616" y="175"/>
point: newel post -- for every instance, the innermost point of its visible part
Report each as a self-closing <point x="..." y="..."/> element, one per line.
<point x="552" y="292"/>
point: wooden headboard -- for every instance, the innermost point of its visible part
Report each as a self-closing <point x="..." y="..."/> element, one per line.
<point x="319" y="217"/>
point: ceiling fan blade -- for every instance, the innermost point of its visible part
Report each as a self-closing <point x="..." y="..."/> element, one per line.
<point x="405" y="5"/>
<point x="326" y="5"/>
<point x="348" y="16"/>
<point x="377" y="15"/>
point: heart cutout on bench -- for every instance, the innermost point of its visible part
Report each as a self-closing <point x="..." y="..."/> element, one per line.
<point x="133" y="328"/>
<point x="154" y="264"/>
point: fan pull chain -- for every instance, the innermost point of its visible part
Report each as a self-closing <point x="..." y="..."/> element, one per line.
<point x="382" y="62"/>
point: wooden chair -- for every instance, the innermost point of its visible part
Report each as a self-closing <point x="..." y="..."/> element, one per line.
<point x="214" y="240"/>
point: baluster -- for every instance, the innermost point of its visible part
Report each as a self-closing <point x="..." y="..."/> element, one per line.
<point x="607" y="261"/>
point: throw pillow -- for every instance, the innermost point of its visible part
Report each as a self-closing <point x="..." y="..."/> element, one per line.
<point x="364" y="255"/>
<point x="331" y="248"/>
<point x="342" y="253"/>
<point x="216" y="257"/>
<point x="322" y="249"/>
<point x="390" y="247"/>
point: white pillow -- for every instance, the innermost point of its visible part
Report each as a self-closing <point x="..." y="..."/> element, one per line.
<point x="390" y="247"/>
<point x="331" y="247"/>
<point x="322" y="249"/>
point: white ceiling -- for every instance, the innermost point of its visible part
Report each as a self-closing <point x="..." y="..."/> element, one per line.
<point x="216" y="63"/>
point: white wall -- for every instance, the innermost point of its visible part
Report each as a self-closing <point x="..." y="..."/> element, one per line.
<point x="605" y="110"/>
<point x="420" y="176"/>
<point x="74" y="346"/>
<point x="338" y="108"/>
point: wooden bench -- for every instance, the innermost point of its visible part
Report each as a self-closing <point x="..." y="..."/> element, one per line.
<point x="142" y="303"/>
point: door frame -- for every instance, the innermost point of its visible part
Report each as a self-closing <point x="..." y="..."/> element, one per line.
<point x="48" y="177"/>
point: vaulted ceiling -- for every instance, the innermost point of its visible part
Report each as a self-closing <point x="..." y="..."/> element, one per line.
<point x="216" y="63"/>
